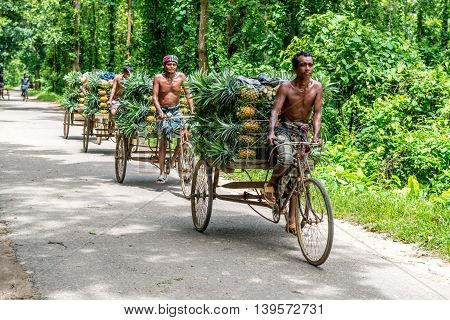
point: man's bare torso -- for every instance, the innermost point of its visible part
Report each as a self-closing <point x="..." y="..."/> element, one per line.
<point x="119" y="85"/>
<point x="299" y="103"/>
<point x="169" y="89"/>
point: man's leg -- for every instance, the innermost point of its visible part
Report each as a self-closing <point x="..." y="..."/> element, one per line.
<point x="176" y="152"/>
<point x="293" y="207"/>
<point x="162" y="158"/>
<point x="285" y="159"/>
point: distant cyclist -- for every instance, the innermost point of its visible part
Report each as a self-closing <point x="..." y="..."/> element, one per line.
<point x="24" y="85"/>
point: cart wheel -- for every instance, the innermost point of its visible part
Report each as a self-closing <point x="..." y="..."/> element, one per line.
<point x="202" y="195"/>
<point x="121" y="157"/>
<point x="86" y="134"/>
<point x="167" y="166"/>
<point x="314" y="221"/>
<point x="66" y="124"/>
<point x="186" y="166"/>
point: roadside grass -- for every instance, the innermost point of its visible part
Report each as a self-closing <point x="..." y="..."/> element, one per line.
<point x="410" y="220"/>
<point x="45" y="95"/>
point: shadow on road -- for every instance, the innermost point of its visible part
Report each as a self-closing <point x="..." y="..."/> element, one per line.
<point x="86" y="236"/>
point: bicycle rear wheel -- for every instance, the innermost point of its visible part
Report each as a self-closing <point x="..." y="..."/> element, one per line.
<point x="121" y="157"/>
<point x="314" y="222"/>
<point x="202" y="195"/>
<point x="186" y="166"/>
<point x="66" y="125"/>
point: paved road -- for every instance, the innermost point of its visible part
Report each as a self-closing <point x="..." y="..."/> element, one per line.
<point x="81" y="235"/>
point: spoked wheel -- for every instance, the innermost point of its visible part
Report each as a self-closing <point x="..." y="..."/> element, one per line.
<point x="314" y="220"/>
<point x="121" y="157"/>
<point x="202" y="195"/>
<point x="66" y="124"/>
<point x="167" y="166"/>
<point x="186" y="166"/>
<point x="86" y="134"/>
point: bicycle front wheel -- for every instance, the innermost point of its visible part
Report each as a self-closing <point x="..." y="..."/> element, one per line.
<point x="314" y="222"/>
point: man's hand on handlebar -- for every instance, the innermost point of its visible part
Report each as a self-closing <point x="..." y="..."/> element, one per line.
<point x="161" y="116"/>
<point x="271" y="137"/>
<point x="317" y="140"/>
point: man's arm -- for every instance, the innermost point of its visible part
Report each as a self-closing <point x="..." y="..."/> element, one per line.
<point x="277" y="105"/>
<point x="187" y="92"/>
<point x="114" y="88"/>
<point x="317" y="117"/>
<point x="155" y="97"/>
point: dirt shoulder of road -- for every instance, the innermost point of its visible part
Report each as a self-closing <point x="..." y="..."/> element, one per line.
<point x="14" y="282"/>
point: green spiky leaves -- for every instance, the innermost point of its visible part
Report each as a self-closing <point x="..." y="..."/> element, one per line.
<point x="133" y="119"/>
<point x="138" y="86"/>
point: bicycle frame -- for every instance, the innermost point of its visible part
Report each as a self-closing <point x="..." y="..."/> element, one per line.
<point x="301" y="166"/>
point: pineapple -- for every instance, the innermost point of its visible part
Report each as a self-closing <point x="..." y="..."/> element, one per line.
<point x="150" y="128"/>
<point x="81" y="100"/>
<point x="104" y="84"/>
<point x="183" y="101"/>
<point x="184" y="110"/>
<point x="246" y="112"/>
<point x="250" y="126"/>
<point x="81" y="105"/>
<point x="249" y="94"/>
<point x="150" y="118"/>
<point x="103" y="105"/>
<point x="102" y="92"/>
<point x="152" y="109"/>
<point x="82" y="95"/>
<point x="247" y="154"/>
<point x="103" y="111"/>
<point x="246" y="139"/>
<point x="103" y="99"/>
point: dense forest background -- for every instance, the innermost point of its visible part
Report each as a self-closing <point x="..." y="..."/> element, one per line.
<point x="384" y="64"/>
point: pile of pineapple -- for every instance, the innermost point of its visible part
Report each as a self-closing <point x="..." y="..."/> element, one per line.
<point x="138" y="116"/>
<point x="231" y="116"/>
<point x="103" y="95"/>
<point x="250" y="127"/>
<point x="151" y="119"/>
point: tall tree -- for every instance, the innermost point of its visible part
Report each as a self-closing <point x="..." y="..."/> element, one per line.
<point x="76" y="36"/>
<point x="444" y="33"/>
<point x="129" y="28"/>
<point x="419" y="20"/>
<point x="202" y="31"/>
<point x="94" y="45"/>
<point x="112" y="44"/>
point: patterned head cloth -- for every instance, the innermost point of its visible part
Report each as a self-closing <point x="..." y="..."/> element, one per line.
<point x="170" y="58"/>
<point x="127" y="68"/>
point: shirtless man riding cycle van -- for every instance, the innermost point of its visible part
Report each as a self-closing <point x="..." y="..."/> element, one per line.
<point x="296" y="101"/>
<point x="166" y="93"/>
<point x="117" y="89"/>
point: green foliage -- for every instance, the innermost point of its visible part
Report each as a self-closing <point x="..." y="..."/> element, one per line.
<point x="425" y="222"/>
<point x="133" y="119"/>
<point x="92" y="104"/>
<point x="72" y="90"/>
<point x="138" y="86"/>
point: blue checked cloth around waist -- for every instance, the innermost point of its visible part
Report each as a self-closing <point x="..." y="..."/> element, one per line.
<point x="170" y="127"/>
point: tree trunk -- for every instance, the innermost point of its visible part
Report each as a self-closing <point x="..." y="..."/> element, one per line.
<point x="76" y="34"/>
<point x="202" y="31"/>
<point x="229" y="35"/>
<point x="94" y="50"/>
<point x="112" y="16"/>
<point x="419" y="21"/>
<point x="444" y="35"/>
<point x="129" y="28"/>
